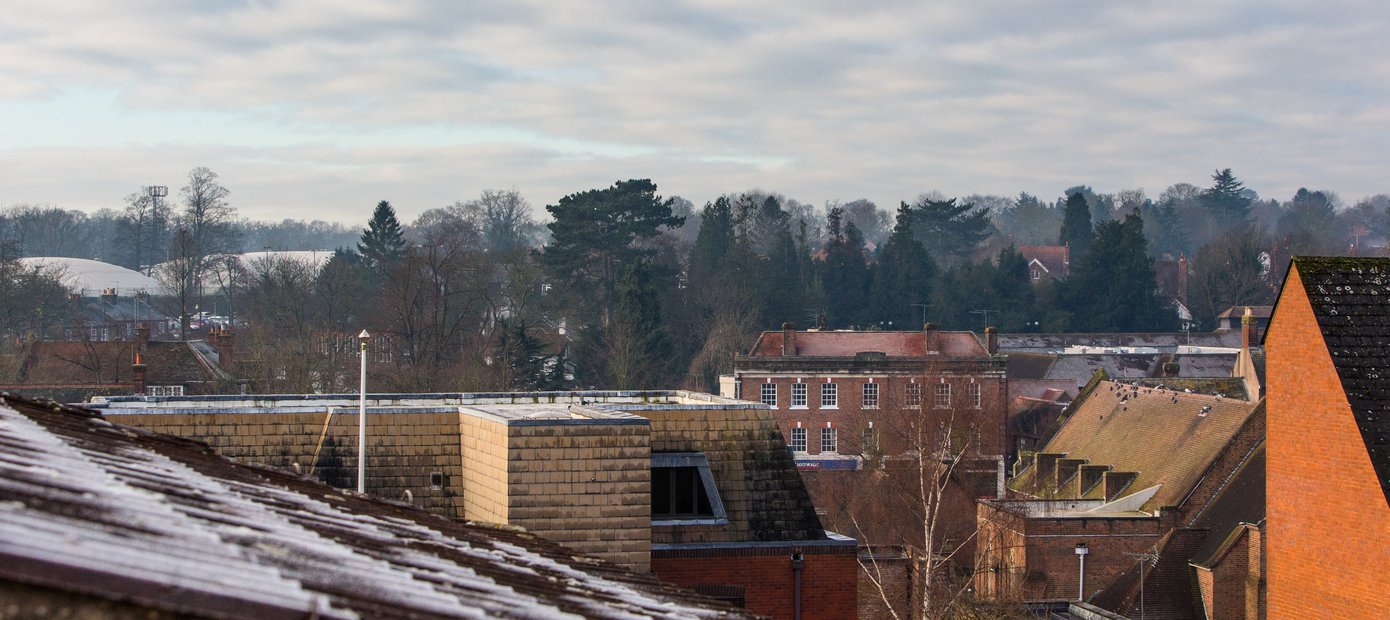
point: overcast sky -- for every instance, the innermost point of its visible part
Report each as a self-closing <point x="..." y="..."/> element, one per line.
<point x="319" y="108"/>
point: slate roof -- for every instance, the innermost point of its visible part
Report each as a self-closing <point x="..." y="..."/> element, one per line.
<point x="893" y="344"/>
<point x="1242" y="501"/>
<point x="1351" y="302"/>
<point x="1168" y="438"/>
<point x="1167" y="341"/>
<point x="114" y="512"/>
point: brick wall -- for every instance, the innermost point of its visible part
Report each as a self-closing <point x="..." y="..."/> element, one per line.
<point x="1328" y="525"/>
<point x="828" y="588"/>
<point x="1224" y="586"/>
<point x="1029" y="558"/>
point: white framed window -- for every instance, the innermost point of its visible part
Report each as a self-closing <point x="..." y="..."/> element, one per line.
<point x="829" y="440"/>
<point x="943" y="396"/>
<point x="164" y="390"/>
<point x="769" y="394"/>
<point x="798" y="439"/>
<point x="829" y="395"/>
<point x="870" y="400"/>
<point x="913" y="397"/>
<point x="976" y="395"/>
<point x="1037" y="274"/>
<point x="798" y="395"/>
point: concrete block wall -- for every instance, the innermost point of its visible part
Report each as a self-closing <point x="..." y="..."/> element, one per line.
<point x="756" y="478"/>
<point x="403" y="449"/>
<point x="586" y="486"/>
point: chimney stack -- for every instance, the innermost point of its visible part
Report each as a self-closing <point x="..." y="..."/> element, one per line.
<point x="992" y="340"/>
<point x="788" y="339"/>
<point x="1247" y="322"/>
<point x="142" y="335"/>
<point x="139" y="370"/>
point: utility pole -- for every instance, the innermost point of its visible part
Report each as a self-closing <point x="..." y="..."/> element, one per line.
<point x="155" y="192"/>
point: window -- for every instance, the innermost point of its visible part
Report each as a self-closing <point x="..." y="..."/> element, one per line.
<point x="164" y="390"/>
<point x="799" y="395"/>
<point x="1037" y="275"/>
<point x="769" y="394"/>
<point x="975" y="395"/>
<point x="870" y="396"/>
<point x="798" y="440"/>
<point x="436" y="480"/>
<point x="871" y="440"/>
<point x="829" y="395"/>
<point x="683" y="488"/>
<point x="829" y="440"/>
<point x="914" y="395"/>
<point x="943" y="396"/>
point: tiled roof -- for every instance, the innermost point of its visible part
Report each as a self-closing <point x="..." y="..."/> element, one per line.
<point x="1351" y="301"/>
<point x="1167" y="437"/>
<point x="110" y="362"/>
<point x="1053" y="258"/>
<point x="123" y="514"/>
<point x="1242" y="501"/>
<point x="1235" y="312"/>
<point x="892" y="344"/>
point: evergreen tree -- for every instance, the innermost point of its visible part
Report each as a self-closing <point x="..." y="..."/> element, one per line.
<point x="844" y="274"/>
<point x="1226" y="201"/>
<point x="383" y="241"/>
<point x="1015" y="298"/>
<point x="1077" y="230"/>
<point x="637" y="347"/>
<point x="904" y="275"/>
<point x="950" y="231"/>
<point x="597" y="235"/>
<point x="519" y="357"/>
<point x="1113" y="289"/>
<point x="712" y="245"/>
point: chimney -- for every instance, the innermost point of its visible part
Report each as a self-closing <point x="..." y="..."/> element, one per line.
<point x="930" y="338"/>
<point x="108" y="295"/>
<point x="789" y="339"/>
<point x="142" y="335"/>
<point x="1247" y="322"/>
<point x="225" y="346"/>
<point x="139" y="371"/>
<point x="992" y="340"/>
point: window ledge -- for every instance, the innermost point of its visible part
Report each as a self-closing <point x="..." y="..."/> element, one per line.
<point x="829" y="407"/>
<point x="798" y="407"/>
<point x="693" y="521"/>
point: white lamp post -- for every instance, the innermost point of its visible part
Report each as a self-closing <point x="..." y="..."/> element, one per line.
<point x="362" y="418"/>
<point x="1081" y="552"/>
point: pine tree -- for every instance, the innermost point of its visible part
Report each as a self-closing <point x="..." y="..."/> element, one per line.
<point x="383" y="241"/>
<point x="949" y="231"/>
<point x="1113" y="288"/>
<point x="637" y="347"/>
<point x="844" y="274"/>
<point x="903" y="277"/>
<point x="713" y="243"/>
<point x="1226" y="201"/>
<point x="1077" y="231"/>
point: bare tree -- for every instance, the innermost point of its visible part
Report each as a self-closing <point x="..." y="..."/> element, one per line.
<point x="179" y="276"/>
<point x="146" y="226"/>
<point x="207" y="216"/>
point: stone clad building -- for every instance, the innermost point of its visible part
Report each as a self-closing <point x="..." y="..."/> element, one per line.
<point x="697" y="489"/>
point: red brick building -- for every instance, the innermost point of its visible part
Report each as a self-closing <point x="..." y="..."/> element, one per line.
<point x="858" y="407"/>
<point x="1135" y="475"/>
<point x="1328" y="549"/>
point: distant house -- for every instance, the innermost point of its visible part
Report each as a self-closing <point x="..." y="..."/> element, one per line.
<point x="1329" y="440"/>
<point x="1047" y="263"/>
<point x="1232" y="318"/>
<point x="695" y="488"/>
<point x="101" y="520"/>
<point x="76" y="370"/>
<point x="1135" y="472"/>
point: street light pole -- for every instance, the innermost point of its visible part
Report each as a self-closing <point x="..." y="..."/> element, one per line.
<point x="1081" y="552"/>
<point x="362" y="418"/>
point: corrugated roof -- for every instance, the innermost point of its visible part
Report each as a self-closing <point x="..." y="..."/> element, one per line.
<point x="892" y="344"/>
<point x="114" y="512"/>
<point x="1168" y="438"/>
<point x="1351" y="302"/>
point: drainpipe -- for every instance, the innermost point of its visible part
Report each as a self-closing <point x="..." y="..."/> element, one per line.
<point x="1081" y="551"/>
<point x="797" y="561"/>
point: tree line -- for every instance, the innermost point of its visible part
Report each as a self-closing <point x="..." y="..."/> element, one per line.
<point x="624" y="288"/>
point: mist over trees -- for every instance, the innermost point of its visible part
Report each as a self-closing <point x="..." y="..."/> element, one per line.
<point x="625" y="288"/>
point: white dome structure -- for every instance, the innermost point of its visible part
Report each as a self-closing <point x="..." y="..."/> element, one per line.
<point x="90" y="278"/>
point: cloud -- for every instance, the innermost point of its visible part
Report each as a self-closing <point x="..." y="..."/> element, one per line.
<point x="307" y="106"/>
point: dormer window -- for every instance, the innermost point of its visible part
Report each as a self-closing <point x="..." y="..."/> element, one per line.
<point x="683" y="490"/>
